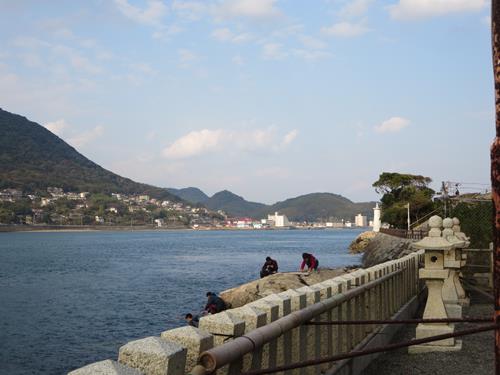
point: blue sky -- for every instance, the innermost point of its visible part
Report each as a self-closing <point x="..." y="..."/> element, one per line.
<point x="267" y="98"/>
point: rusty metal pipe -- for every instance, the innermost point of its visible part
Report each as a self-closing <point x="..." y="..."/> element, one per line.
<point x="385" y="348"/>
<point x="229" y="352"/>
<point x="406" y="321"/>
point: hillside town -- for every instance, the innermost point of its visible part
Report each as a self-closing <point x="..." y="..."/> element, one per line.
<point x="56" y="207"/>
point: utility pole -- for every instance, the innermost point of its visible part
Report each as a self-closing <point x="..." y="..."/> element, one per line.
<point x="495" y="172"/>
<point x="408" y="209"/>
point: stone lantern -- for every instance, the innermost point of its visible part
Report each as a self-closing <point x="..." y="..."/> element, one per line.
<point x="434" y="273"/>
<point x="452" y="261"/>
<point x="463" y="300"/>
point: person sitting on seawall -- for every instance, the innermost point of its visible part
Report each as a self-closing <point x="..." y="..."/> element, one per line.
<point x="214" y="304"/>
<point x="310" y="261"/>
<point x="270" y="267"/>
<point x="191" y="320"/>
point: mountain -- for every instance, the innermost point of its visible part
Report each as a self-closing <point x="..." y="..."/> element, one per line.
<point x="190" y="194"/>
<point x="234" y="205"/>
<point x="32" y="158"/>
<point x="309" y="207"/>
<point x="315" y="206"/>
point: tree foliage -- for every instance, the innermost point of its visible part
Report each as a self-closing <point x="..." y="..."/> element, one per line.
<point x="398" y="191"/>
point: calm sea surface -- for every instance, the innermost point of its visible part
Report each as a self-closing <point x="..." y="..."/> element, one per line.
<point x="69" y="299"/>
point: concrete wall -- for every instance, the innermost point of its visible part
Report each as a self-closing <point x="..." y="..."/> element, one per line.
<point x="176" y="351"/>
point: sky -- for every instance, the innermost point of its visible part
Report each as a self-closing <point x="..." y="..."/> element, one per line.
<point x="270" y="99"/>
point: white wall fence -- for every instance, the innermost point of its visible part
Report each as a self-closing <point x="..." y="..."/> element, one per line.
<point x="271" y="330"/>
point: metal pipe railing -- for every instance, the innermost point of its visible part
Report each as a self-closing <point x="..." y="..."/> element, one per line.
<point x="405" y="321"/>
<point x="231" y="351"/>
<point x="381" y="349"/>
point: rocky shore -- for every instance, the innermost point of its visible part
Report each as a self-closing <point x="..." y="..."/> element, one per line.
<point x="379" y="247"/>
<point x="277" y="283"/>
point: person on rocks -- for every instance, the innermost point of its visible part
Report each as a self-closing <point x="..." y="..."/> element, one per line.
<point x="214" y="304"/>
<point x="310" y="261"/>
<point x="191" y="320"/>
<point x="269" y="267"/>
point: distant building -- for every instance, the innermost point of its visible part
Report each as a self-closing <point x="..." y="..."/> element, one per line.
<point x="360" y="221"/>
<point x="376" y="218"/>
<point x="159" y="223"/>
<point x="278" y="220"/>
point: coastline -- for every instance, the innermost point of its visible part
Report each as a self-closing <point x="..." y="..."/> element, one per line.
<point x="138" y="228"/>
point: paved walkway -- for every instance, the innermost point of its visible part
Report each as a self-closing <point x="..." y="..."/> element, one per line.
<point x="476" y="357"/>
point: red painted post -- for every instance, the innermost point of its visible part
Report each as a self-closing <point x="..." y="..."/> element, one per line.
<point x="495" y="172"/>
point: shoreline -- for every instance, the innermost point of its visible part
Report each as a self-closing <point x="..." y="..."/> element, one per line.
<point x="138" y="228"/>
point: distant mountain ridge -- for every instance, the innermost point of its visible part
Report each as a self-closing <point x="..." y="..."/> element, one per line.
<point x="32" y="158"/>
<point x="309" y="207"/>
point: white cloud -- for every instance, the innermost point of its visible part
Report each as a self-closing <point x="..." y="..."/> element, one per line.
<point x="190" y="10"/>
<point x="62" y="129"/>
<point x="355" y="8"/>
<point x="312" y="43"/>
<point x="82" y="139"/>
<point x="254" y="9"/>
<point x="394" y="124"/>
<point x="290" y="137"/>
<point x="186" y="57"/>
<point x="310" y="55"/>
<point x="273" y="51"/>
<point x="194" y="143"/>
<point x="226" y="35"/>
<point x="151" y="15"/>
<point x="418" y="9"/>
<point x="57" y="127"/>
<point x="345" y="29"/>
<point x="207" y="141"/>
<point x="238" y="60"/>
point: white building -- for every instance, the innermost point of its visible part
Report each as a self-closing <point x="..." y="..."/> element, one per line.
<point x="376" y="219"/>
<point x="360" y="221"/>
<point x="278" y="220"/>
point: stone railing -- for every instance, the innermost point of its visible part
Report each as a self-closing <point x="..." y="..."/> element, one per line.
<point x="412" y="234"/>
<point x="177" y="351"/>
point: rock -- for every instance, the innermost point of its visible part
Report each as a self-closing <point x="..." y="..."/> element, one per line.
<point x="277" y="283"/>
<point x="360" y="243"/>
<point x="384" y="247"/>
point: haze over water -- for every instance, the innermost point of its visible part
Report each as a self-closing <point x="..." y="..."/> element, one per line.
<point x="69" y="299"/>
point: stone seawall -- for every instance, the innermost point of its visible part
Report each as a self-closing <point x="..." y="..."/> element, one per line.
<point x="383" y="290"/>
<point x="379" y="247"/>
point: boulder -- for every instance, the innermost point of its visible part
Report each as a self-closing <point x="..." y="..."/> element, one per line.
<point x="361" y="242"/>
<point x="277" y="283"/>
<point x="384" y="247"/>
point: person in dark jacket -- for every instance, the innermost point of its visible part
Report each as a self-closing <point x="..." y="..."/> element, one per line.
<point x="214" y="304"/>
<point x="269" y="267"/>
<point x="310" y="261"/>
<point x="191" y="320"/>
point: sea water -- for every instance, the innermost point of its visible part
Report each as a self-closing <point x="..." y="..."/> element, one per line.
<point x="70" y="299"/>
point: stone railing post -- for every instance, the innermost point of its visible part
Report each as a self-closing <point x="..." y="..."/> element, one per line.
<point x="193" y="339"/>
<point x="270" y="350"/>
<point x="299" y="334"/>
<point x="154" y="356"/>
<point x="313" y="332"/>
<point x="253" y="318"/>
<point x="224" y="326"/>
<point x="284" y="352"/>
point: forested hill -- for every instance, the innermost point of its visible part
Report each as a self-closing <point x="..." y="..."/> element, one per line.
<point x="32" y="158"/>
<point x="311" y="207"/>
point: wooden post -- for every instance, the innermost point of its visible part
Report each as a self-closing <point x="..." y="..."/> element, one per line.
<point x="495" y="171"/>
